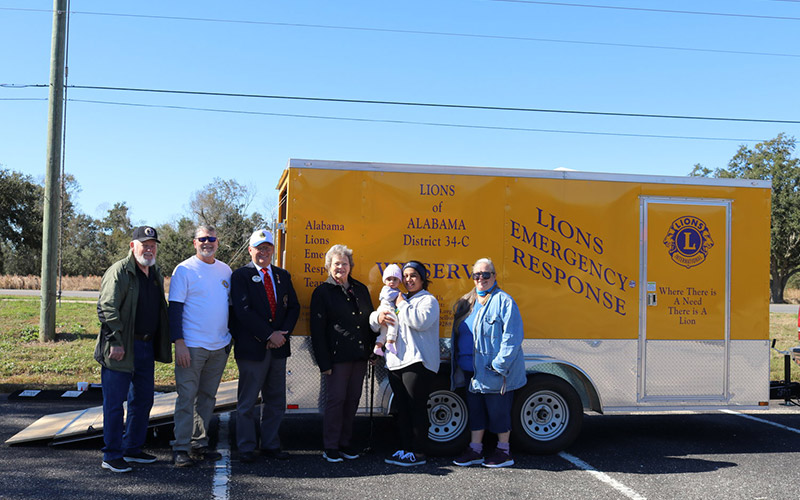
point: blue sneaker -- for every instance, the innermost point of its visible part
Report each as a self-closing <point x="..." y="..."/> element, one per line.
<point x="406" y="459"/>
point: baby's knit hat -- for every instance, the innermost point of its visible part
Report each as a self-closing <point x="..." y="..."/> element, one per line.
<point x="392" y="270"/>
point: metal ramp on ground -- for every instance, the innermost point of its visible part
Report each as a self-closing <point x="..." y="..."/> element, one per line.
<point x="71" y="426"/>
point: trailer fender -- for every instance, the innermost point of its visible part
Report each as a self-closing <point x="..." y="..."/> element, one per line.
<point x="574" y="375"/>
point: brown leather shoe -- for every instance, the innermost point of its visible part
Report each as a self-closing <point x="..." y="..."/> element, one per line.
<point x="203" y="453"/>
<point x="182" y="459"/>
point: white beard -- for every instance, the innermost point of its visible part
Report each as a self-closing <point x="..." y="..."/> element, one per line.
<point x="145" y="262"/>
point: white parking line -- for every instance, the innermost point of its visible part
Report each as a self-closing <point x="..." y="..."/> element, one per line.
<point x="222" y="469"/>
<point x="577" y="462"/>
<point x="784" y="427"/>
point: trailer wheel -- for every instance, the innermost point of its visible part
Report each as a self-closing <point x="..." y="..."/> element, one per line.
<point x="447" y="413"/>
<point x="547" y="415"/>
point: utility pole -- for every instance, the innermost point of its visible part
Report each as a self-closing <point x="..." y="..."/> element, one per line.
<point x="52" y="190"/>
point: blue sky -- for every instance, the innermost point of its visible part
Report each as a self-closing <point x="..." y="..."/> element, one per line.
<point x="739" y="60"/>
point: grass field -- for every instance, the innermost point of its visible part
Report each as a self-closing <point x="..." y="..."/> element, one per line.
<point x="27" y="363"/>
<point x="782" y="328"/>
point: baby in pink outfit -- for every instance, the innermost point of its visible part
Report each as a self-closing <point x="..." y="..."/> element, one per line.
<point x="391" y="278"/>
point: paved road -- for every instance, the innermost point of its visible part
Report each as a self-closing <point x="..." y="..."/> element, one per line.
<point x="783" y="308"/>
<point x="687" y="456"/>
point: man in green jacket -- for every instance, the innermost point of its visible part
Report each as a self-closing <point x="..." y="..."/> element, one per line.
<point x="134" y="333"/>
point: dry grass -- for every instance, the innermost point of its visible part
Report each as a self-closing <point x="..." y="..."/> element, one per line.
<point x="792" y="295"/>
<point x="79" y="283"/>
<point x="75" y="283"/>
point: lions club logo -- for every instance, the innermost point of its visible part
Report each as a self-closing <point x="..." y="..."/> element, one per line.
<point x="688" y="241"/>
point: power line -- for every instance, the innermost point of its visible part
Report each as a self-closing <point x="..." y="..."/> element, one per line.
<point x="439" y="105"/>
<point x="408" y="122"/>
<point x="433" y="33"/>
<point x="643" y="9"/>
<point x="419" y="104"/>
<point x="22" y="85"/>
<point x="537" y="2"/>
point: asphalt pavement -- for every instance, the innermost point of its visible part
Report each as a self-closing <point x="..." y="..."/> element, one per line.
<point x="635" y="456"/>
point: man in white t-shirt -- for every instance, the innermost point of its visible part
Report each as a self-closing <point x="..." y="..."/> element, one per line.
<point x="199" y="297"/>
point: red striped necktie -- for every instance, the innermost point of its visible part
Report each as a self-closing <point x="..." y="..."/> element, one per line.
<point x="270" y="291"/>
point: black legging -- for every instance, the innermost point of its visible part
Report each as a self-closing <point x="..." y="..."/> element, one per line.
<point x="411" y="386"/>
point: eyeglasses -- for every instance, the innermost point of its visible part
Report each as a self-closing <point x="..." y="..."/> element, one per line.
<point x="485" y="275"/>
<point x="210" y="239"/>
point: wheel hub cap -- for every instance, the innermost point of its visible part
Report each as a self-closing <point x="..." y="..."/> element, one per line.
<point x="545" y="415"/>
<point x="448" y="416"/>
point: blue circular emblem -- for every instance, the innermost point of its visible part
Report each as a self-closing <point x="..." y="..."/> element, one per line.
<point x="688" y="241"/>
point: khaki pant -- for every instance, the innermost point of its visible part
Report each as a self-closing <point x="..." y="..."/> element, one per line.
<point x="197" y="395"/>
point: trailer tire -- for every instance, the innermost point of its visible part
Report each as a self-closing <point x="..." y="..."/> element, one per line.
<point x="546" y="416"/>
<point x="448" y="433"/>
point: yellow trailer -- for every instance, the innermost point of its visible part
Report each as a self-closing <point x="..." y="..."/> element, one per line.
<point x="637" y="292"/>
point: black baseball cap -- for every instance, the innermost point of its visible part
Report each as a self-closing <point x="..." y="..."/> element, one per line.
<point x="144" y="233"/>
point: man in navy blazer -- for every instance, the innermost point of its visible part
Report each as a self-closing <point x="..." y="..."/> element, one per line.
<point x="265" y="311"/>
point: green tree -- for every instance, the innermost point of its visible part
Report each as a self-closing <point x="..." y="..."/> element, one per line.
<point x="176" y="244"/>
<point x="772" y="160"/>
<point x="224" y="204"/>
<point x="117" y="230"/>
<point x="20" y="223"/>
<point x="83" y="249"/>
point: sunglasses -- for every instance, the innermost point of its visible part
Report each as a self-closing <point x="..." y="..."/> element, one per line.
<point x="485" y="275"/>
<point x="210" y="239"/>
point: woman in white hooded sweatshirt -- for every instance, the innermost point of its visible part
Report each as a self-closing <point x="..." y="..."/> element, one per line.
<point x="414" y="367"/>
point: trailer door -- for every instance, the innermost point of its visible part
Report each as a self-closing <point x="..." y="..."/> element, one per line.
<point x="684" y="327"/>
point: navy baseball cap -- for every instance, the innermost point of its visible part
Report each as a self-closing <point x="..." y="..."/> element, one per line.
<point x="144" y="233"/>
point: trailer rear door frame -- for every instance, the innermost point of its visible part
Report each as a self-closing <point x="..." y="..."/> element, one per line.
<point x="684" y="332"/>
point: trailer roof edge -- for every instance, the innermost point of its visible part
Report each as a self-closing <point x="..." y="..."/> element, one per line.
<point x="522" y="172"/>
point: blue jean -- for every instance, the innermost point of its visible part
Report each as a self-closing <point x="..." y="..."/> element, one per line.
<point x="490" y="410"/>
<point x="137" y="389"/>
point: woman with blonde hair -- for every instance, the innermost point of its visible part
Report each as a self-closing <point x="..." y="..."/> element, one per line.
<point x="487" y="356"/>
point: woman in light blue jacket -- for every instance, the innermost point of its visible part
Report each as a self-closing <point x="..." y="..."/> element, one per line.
<point x="487" y="344"/>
